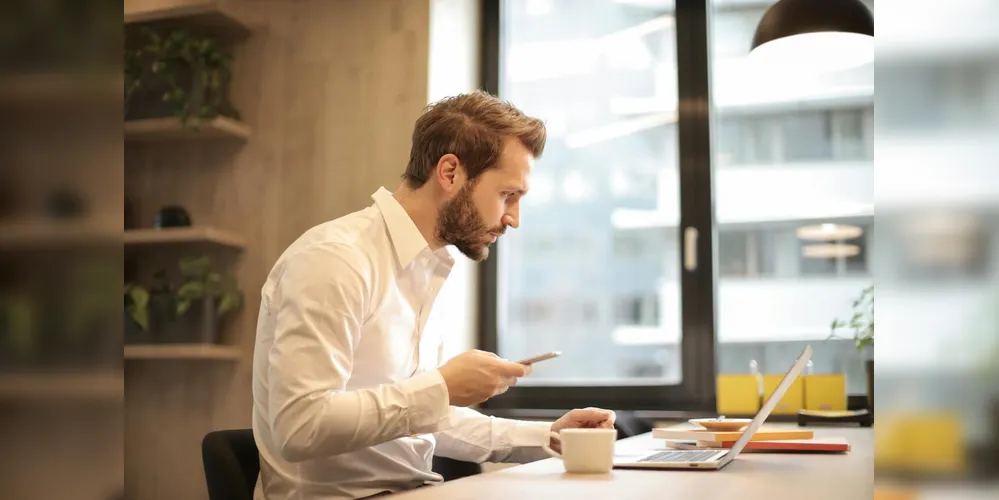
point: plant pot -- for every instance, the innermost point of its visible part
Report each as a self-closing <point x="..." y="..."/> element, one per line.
<point x="15" y="356"/>
<point x="90" y="346"/>
<point x="134" y="334"/>
<point x="149" y="103"/>
<point x="869" y="367"/>
<point x="197" y="325"/>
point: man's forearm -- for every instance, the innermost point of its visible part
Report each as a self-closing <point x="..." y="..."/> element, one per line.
<point x="474" y="437"/>
<point x="320" y="424"/>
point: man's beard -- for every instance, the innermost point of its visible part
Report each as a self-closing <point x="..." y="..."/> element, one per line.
<point x="459" y="224"/>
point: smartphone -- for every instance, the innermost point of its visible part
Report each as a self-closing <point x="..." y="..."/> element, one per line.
<point x="540" y="357"/>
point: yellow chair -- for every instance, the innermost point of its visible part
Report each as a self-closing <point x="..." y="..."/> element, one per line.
<point x="925" y="443"/>
<point x="935" y="443"/>
<point x="737" y="395"/>
<point x="825" y="392"/>
<point x="792" y="401"/>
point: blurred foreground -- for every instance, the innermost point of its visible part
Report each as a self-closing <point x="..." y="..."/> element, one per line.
<point x="937" y="119"/>
<point x="61" y="181"/>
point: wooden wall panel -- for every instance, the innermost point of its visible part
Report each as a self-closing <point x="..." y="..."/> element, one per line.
<point x="331" y="89"/>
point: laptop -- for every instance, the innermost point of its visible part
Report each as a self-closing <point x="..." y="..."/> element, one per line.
<point x="713" y="459"/>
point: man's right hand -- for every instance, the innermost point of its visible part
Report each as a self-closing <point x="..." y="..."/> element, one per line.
<point x="475" y="376"/>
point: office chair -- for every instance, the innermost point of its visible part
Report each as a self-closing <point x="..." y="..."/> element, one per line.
<point x="231" y="464"/>
<point x="451" y="469"/>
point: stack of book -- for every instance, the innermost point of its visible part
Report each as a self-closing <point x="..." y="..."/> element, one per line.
<point x="784" y="440"/>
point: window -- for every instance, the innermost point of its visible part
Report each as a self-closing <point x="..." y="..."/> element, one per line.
<point x="604" y="75"/>
<point x="641" y="310"/>
<point x="747" y="253"/>
<point x="628" y="173"/>
<point x="776" y="250"/>
<point x="940" y="247"/>
<point x="797" y="137"/>
<point x="535" y="311"/>
<point x="836" y="257"/>
<point x="793" y="218"/>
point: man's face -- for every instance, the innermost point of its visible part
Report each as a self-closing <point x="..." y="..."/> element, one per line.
<point x="482" y="209"/>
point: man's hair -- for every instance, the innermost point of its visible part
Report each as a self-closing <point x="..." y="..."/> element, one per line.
<point x="472" y="127"/>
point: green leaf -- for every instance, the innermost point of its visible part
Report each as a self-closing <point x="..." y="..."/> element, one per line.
<point x="21" y="320"/>
<point x="227" y="303"/>
<point x="213" y="284"/>
<point x="138" y="295"/>
<point x="195" y="267"/>
<point x="192" y="290"/>
<point x="139" y="307"/>
<point x="183" y="305"/>
<point x="141" y="318"/>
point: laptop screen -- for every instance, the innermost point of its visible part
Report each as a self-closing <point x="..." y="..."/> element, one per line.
<point x="772" y="401"/>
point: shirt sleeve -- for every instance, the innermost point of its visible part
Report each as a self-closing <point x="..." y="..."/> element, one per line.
<point x="474" y="437"/>
<point x="319" y="303"/>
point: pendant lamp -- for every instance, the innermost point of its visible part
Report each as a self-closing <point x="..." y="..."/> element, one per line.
<point x="815" y="35"/>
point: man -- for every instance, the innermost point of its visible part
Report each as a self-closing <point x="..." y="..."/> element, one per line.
<point x="349" y="400"/>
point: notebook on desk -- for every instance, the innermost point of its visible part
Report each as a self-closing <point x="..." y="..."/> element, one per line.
<point x="817" y="445"/>
<point x="714" y="459"/>
<point x="731" y="436"/>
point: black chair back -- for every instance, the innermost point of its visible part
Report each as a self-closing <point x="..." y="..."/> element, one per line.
<point x="231" y="464"/>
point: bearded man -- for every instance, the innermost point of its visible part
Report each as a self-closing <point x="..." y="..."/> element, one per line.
<point x="349" y="397"/>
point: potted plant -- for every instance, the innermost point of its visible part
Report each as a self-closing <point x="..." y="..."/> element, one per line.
<point x="861" y="325"/>
<point x="188" y="308"/>
<point x="18" y="330"/>
<point x="84" y="313"/>
<point x="178" y="73"/>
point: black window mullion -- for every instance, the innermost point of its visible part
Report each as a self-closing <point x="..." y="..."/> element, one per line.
<point x="696" y="196"/>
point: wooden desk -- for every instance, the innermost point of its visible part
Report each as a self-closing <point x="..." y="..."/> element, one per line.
<point x="751" y="476"/>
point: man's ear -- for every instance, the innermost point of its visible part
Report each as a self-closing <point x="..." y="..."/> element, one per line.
<point x="449" y="172"/>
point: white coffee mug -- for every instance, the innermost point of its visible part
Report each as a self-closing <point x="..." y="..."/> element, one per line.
<point x="585" y="450"/>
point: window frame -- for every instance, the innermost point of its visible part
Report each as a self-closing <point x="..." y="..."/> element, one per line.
<point x="696" y="392"/>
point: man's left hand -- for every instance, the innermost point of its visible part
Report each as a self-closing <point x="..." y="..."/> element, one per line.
<point x="585" y="418"/>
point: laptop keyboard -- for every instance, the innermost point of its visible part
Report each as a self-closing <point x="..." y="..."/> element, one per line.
<point x="680" y="456"/>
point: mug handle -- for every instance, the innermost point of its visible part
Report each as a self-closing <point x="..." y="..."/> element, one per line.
<point x="549" y="450"/>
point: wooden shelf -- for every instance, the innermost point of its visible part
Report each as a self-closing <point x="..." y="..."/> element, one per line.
<point x="170" y="129"/>
<point x="62" y="386"/>
<point x="32" y="233"/>
<point x="206" y="16"/>
<point x="182" y="351"/>
<point x="58" y="88"/>
<point x="184" y="235"/>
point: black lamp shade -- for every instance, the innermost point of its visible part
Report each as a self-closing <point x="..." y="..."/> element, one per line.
<point x="798" y="17"/>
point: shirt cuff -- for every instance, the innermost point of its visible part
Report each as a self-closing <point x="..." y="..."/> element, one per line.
<point x="428" y="402"/>
<point x="528" y="434"/>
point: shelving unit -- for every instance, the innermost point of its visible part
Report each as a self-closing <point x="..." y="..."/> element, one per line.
<point x="57" y="88"/>
<point x="182" y="352"/>
<point x="182" y="235"/>
<point x="27" y="233"/>
<point x="208" y="16"/>
<point x="168" y="129"/>
<point x="63" y="386"/>
<point x="176" y="390"/>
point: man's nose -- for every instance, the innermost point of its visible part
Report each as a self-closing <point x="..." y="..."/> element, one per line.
<point x="511" y="220"/>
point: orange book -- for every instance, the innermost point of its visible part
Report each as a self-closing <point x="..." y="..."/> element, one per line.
<point x="836" y="444"/>
<point x="723" y="436"/>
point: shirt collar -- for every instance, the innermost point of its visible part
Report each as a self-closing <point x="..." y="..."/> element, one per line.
<point x="406" y="237"/>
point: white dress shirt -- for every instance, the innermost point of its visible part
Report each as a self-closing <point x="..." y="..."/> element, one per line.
<point x="347" y="398"/>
